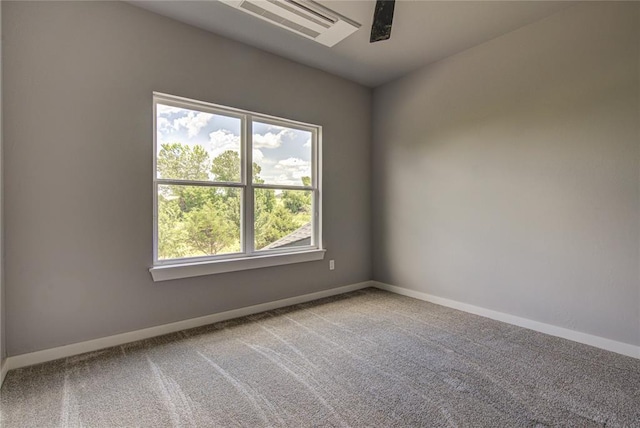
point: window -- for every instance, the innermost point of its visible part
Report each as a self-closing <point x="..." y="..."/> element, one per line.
<point x="232" y="189"/>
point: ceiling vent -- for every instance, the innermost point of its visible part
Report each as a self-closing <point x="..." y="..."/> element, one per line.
<point x="304" y="17"/>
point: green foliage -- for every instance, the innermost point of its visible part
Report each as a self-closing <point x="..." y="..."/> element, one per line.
<point x="183" y="162"/>
<point x="171" y="237"/>
<point x="298" y="201"/>
<point x="274" y="225"/>
<point x="201" y="220"/>
<point x="257" y="169"/>
<point x="192" y="197"/>
<point x="226" y="167"/>
<point x="210" y="229"/>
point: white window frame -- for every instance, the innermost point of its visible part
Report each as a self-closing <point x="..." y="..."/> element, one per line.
<point x="249" y="257"/>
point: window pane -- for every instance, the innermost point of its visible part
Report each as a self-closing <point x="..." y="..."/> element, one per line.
<point x="196" y="145"/>
<point x="195" y="221"/>
<point x="282" y="218"/>
<point x="281" y="155"/>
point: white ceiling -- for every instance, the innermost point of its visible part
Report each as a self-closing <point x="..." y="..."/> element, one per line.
<point x="423" y="32"/>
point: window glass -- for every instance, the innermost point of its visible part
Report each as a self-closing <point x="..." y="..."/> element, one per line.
<point x="197" y="221"/>
<point x="205" y="209"/>
<point x="283" y="155"/>
<point x="197" y="145"/>
<point x="282" y="218"/>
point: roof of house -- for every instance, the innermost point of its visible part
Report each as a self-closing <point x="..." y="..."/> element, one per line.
<point x="298" y="235"/>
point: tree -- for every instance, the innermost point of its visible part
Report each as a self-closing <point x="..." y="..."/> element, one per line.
<point x="205" y="220"/>
<point x="171" y="239"/>
<point x="274" y="225"/>
<point x="298" y="201"/>
<point x="183" y="162"/>
<point x="265" y="202"/>
<point x="257" y="169"/>
<point x="226" y="167"/>
<point x="209" y="230"/>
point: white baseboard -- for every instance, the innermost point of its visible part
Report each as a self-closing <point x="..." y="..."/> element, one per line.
<point x="3" y="371"/>
<point x="24" y="360"/>
<point x="576" y="336"/>
<point x="38" y="357"/>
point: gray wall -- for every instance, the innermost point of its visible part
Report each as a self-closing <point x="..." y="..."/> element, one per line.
<point x="508" y="176"/>
<point x="78" y="80"/>
<point x="2" y="311"/>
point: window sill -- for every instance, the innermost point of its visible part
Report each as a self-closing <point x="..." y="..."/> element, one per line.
<point x="187" y="270"/>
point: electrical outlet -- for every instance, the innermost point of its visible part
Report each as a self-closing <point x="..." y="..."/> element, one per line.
<point x="332" y="264"/>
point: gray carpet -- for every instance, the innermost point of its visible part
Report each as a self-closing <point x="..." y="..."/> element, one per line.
<point x="368" y="358"/>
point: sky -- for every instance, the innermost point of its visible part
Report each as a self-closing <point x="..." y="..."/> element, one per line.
<point x="284" y="154"/>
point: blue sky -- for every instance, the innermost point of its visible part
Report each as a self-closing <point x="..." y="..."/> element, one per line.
<point x="284" y="154"/>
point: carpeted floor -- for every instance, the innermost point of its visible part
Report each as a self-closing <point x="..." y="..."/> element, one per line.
<point x="367" y="358"/>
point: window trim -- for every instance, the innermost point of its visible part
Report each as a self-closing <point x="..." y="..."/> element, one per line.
<point x="211" y="267"/>
<point x="249" y="257"/>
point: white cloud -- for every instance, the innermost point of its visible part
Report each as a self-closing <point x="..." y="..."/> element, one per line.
<point x="308" y="143"/>
<point x="167" y="110"/>
<point x="163" y="124"/>
<point x="221" y="141"/>
<point x="273" y="177"/>
<point x="193" y="122"/>
<point x="289" y="171"/>
<point x="292" y="162"/>
<point x="257" y="155"/>
<point x="270" y="140"/>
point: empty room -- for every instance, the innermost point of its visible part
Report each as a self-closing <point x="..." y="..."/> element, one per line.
<point x="296" y="213"/>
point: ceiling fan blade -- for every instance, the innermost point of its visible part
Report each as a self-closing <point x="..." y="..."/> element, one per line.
<point x="382" y="20"/>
